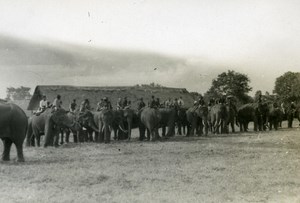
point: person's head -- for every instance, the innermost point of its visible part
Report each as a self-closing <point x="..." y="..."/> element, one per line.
<point x="129" y="102"/>
<point x="176" y="99"/>
<point x="74" y="100"/>
<point x="141" y="98"/>
<point x="86" y="101"/>
<point x="44" y="97"/>
<point x="58" y="96"/>
<point x="152" y="97"/>
<point x="125" y="98"/>
<point x="180" y="97"/>
<point x="105" y="98"/>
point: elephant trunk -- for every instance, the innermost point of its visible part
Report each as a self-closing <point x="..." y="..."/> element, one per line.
<point x="121" y="128"/>
<point x="94" y="127"/>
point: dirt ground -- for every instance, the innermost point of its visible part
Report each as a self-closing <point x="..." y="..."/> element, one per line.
<point x="248" y="167"/>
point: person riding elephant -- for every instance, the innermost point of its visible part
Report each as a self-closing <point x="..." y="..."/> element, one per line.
<point x="13" y="126"/>
<point x="49" y="123"/>
<point x="150" y="118"/>
<point x="258" y="113"/>
<point x="141" y="104"/>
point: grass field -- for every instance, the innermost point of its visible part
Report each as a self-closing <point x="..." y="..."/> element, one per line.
<point x="249" y="167"/>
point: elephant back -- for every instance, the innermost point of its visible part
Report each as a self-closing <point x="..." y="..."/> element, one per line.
<point x="150" y="115"/>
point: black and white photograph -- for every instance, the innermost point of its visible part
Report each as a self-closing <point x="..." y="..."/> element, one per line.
<point x="129" y="101"/>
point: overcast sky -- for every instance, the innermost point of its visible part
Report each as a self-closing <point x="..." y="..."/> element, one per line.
<point x="109" y="42"/>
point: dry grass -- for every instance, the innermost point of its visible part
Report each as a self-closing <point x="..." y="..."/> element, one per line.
<point x="250" y="167"/>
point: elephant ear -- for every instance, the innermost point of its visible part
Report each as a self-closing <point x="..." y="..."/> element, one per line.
<point x="59" y="116"/>
<point x="85" y="117"/>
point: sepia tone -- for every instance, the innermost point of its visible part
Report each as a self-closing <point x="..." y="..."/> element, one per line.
<point x="150" y="101"/>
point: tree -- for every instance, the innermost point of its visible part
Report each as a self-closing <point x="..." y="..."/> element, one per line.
<point x="230" y="83"/>
<point x="287" y="86"/>
<point x="19" y="93"/>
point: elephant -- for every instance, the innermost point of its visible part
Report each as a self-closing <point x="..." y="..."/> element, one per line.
<point x="258" y="113"/>
<point x="292" y="113"/>
<point x="13" y="127"/>
<point x="275" y="117"/>
<point x="219" y="118"/>
<point x="150" y="120"/>
<point x="124" y="121"/>
<point x="197" y="118"/>
<point x="101" y="122"/>
<point x="168" y="119"/>
<point x="77" y="134"/>
<point x="182" y="123"/>
<point x="49" y="123"/>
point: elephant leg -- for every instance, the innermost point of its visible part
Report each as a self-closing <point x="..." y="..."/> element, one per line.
<point x="241" y="127"/>
<point x="205" y="124"/>
<point x="91" y="138"/>
<point x="116" y="134"/>
<point x="101" y="133"/>
<point x="61" y="137"/>
<point x="275" y="125"/>
<point x="232" y="126"/>
<point x="19" y="147"/>
<point x="107" y="134"/>
<point x="56" y="139"/>
<point x="179" y="126"/>
<point x="164" y="131"/>
<point x="129" y="130"/>
<point x="86" y="136"/>
<point x="38" y="139"/>
<point x="32" y="142"/>
<point x="29" y="135"/>
<point x="255" y="125"/>
<point x="142" y="132"/>
<point x="6" y="152"/>
<point x="148" y="134"/>
<point x="96" y="136"/>
<point x="67" y="136"/>
<point x="75" y="136"/>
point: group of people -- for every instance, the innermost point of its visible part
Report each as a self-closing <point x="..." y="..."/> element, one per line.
<point x="104" y="103"/>
<point x="57" y="104"/>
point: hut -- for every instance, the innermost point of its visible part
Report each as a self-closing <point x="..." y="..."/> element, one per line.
<point x="94" y="94"/>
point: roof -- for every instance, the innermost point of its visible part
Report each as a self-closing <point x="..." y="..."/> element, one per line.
<point x="94" y="94"/>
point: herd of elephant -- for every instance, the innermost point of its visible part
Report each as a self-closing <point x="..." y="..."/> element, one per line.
<point x="97" y="126"/>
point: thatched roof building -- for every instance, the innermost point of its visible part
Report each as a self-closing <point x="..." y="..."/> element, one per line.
<point x="94" y="94"/>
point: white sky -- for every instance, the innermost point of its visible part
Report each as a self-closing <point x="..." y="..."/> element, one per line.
<point x="256" y="37"/>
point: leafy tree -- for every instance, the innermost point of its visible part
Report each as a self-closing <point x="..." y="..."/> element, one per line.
<point x="287" y="86"/>
<point x="230" y="83"/>
<point x="195" y="95"/>
<point x="19" y="93"/>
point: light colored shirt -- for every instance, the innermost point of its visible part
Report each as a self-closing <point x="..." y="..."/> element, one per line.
<point x="180" y="102"/>
<point x="57" y="103"/>
<point x="43" y="104"/>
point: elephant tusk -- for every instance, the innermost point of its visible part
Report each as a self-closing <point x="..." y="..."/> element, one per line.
<point x="125" y="131"/>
